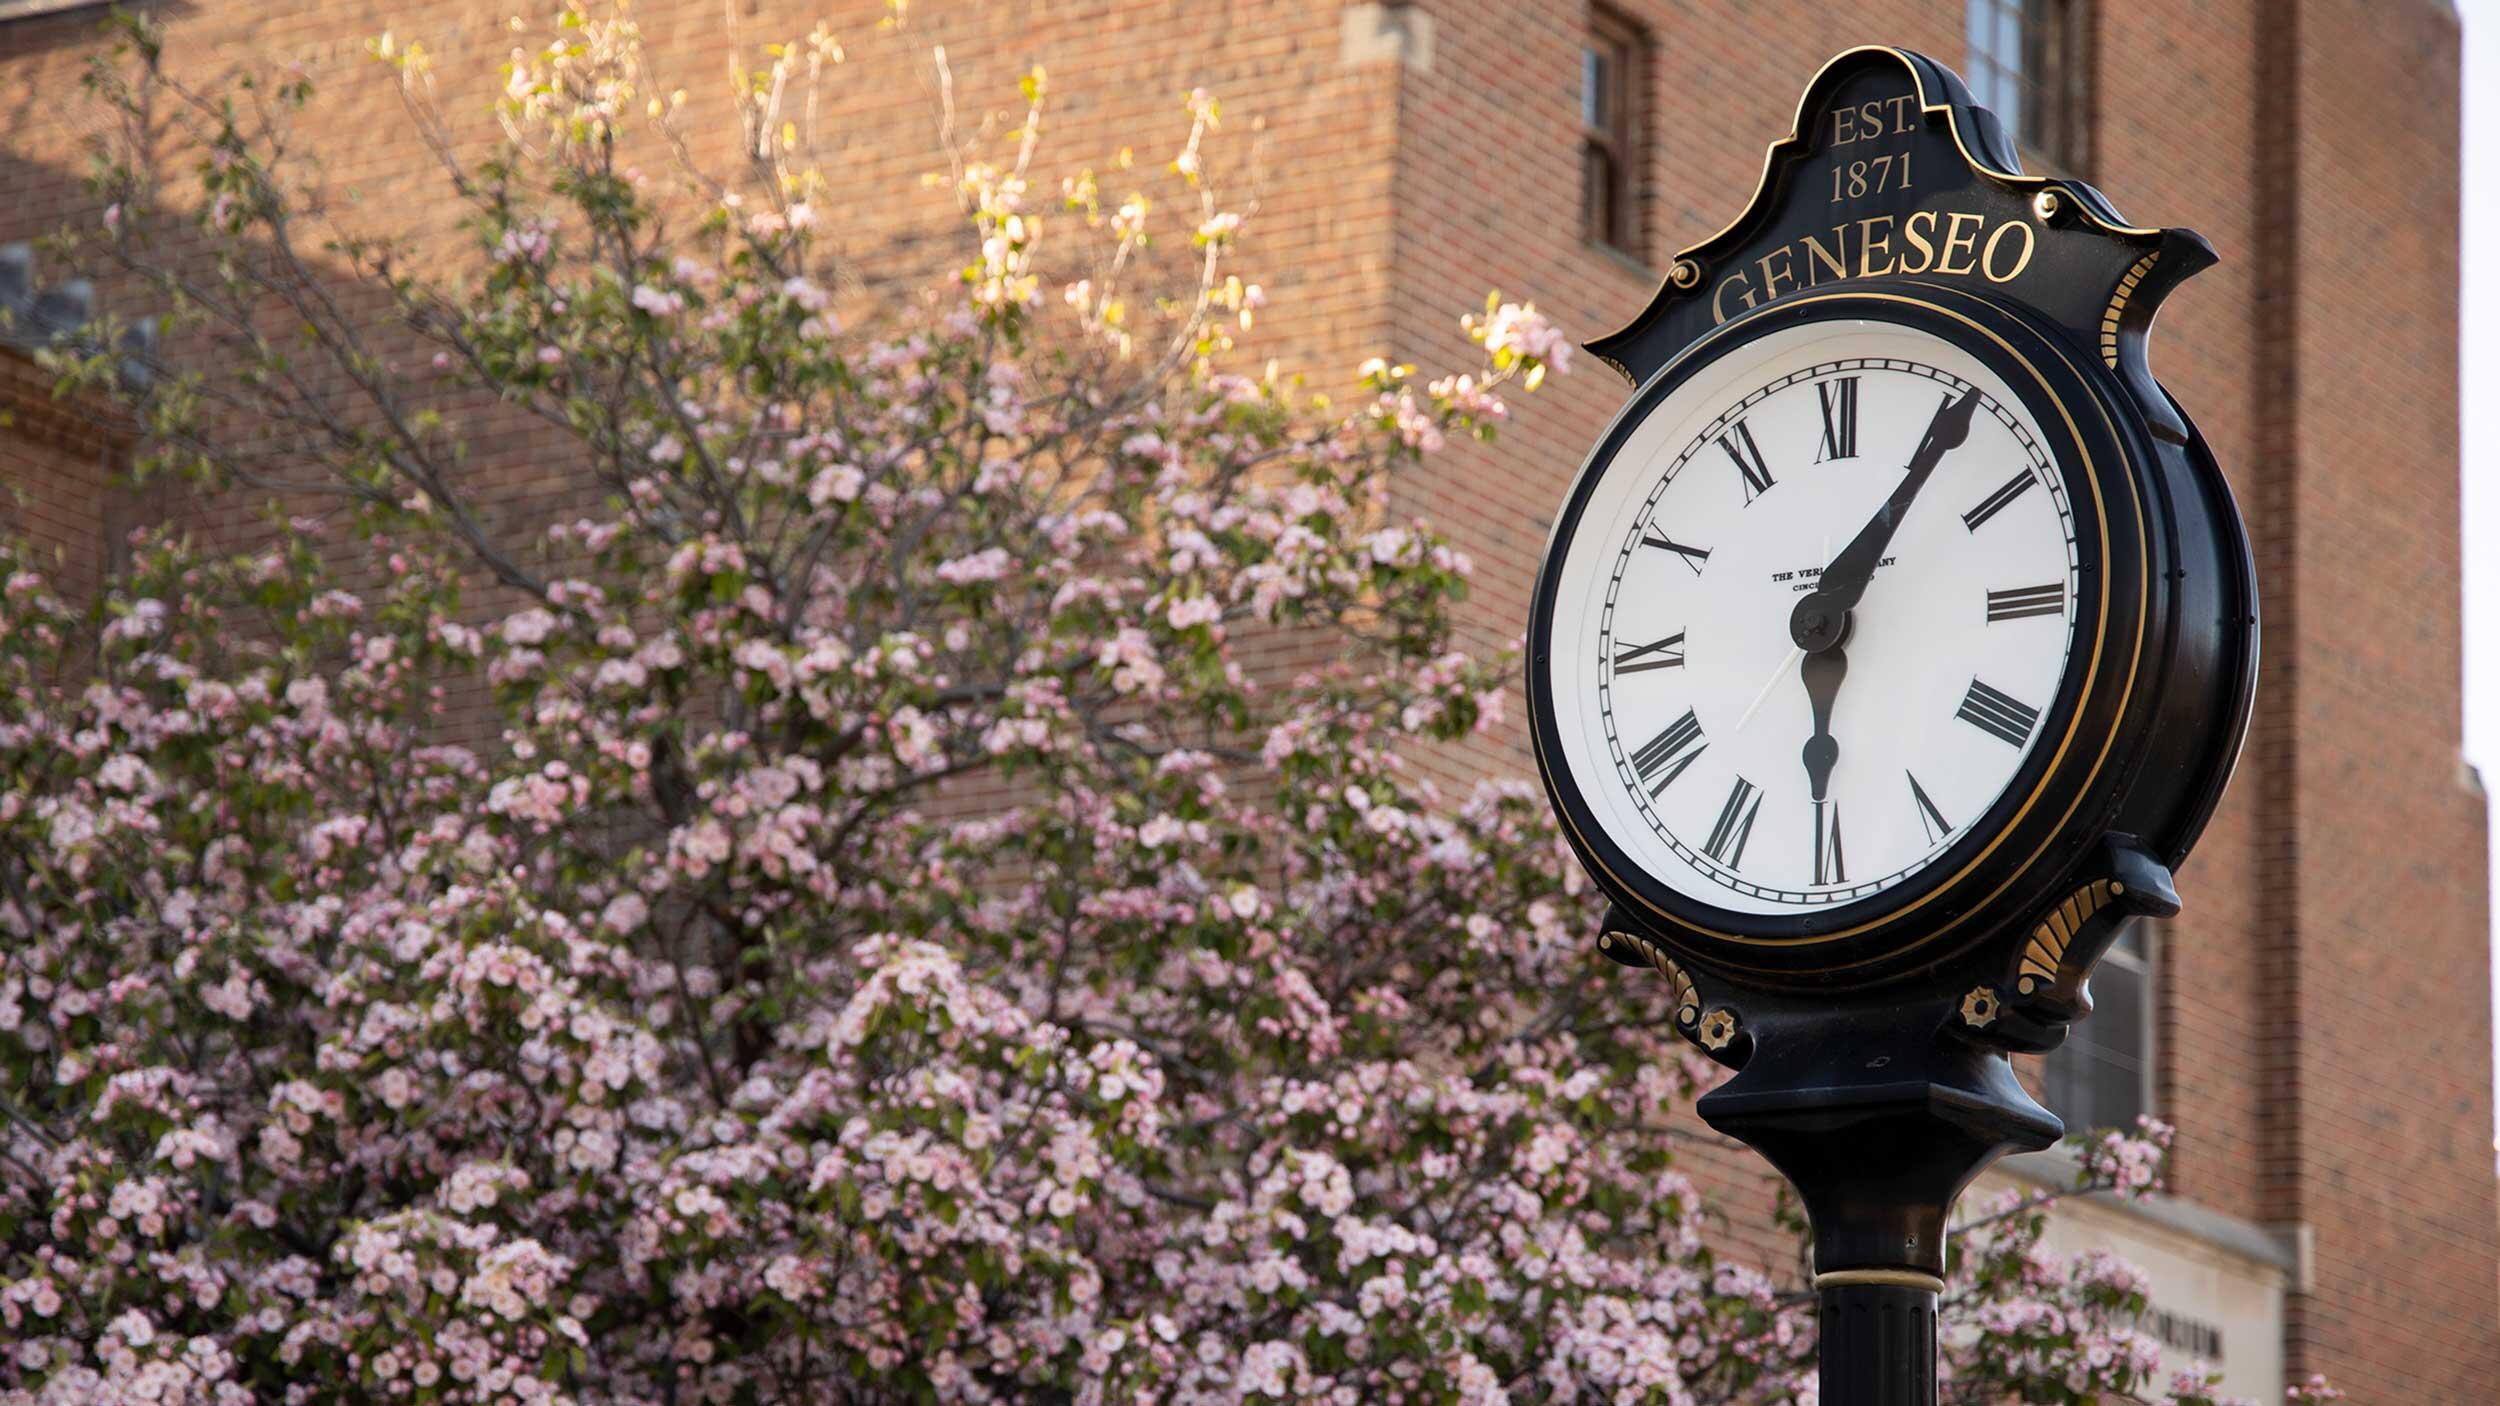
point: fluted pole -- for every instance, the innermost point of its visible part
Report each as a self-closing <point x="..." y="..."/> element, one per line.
<point x="1878" y="1342"/>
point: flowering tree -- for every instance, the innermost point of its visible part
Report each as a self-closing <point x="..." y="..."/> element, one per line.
<point x="909" y="939"/>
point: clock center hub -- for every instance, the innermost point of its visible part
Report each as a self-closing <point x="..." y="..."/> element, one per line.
<point x="1817" y="624"/>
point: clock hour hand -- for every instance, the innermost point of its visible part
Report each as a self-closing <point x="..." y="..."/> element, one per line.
<point x="1822" y="671"/>
<point x="1818" y="619"/>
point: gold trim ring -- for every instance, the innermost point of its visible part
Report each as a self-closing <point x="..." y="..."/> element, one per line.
<point x="1898" y="1278"/>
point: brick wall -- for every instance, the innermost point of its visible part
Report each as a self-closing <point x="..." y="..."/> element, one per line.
<point x="52" y="478"/>
<point x="2325" y="1032"/>
<point x="1308" y="131"/>
<point x="2391" y="1150"/>
<point x="2168" y="69"/>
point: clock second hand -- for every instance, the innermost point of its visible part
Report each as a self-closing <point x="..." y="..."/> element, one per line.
<point x="1795" y="652"/>
<point x="1782" y="672"/>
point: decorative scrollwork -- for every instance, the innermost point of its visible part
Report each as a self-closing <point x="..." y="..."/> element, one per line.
<point x="2046" y="951"/>
<point x="1687" y="998"/>
<point x="2118" y="303"/>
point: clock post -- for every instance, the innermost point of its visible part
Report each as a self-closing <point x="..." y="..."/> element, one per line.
<point x="1964" y="647"/>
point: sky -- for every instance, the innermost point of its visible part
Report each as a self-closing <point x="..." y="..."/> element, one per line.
<point x="2479" y="314"/>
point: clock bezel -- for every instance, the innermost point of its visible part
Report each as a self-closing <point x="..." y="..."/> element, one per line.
<point x="2099" y="450"/>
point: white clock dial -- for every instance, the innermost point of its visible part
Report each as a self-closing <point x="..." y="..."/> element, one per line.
<point x="1684" y="705"/>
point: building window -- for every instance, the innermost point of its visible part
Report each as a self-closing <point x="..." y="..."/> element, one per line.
<point x="1612" y="74"/>
<point x="2102" y="1077"/>
<point x="2031" y="65"/>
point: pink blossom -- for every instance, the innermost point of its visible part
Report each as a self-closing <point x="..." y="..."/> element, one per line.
<point x="1193" y="611"/>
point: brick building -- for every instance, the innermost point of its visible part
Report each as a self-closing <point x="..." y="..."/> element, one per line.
<point x="2317" y="1022"/>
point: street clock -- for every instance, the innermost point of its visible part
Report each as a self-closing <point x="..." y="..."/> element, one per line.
<point x="1893" y="645"/>
<point x="1899" y="605"/>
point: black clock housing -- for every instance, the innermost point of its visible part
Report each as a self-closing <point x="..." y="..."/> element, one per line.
<point x="1896" y="197"/>
<point x="2147" y="725"/>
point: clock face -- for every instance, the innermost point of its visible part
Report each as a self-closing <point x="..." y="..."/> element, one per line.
<point x="1813" y="617"/>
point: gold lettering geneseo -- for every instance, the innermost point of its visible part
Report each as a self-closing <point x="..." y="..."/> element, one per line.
<point x="1959" y="243"/>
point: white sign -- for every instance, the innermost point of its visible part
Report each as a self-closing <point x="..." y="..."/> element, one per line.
<point x="2211" y="1300"/>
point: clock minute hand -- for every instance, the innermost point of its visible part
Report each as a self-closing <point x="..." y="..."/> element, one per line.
<point x="1844" y="581"/>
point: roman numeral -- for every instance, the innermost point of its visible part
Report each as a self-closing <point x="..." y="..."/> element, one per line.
<point x="1669" y="752"/>
<point x="1930" y="819"/>
<point x="1827" y="863"/>
<point x="1727" y="838"/>
<point x="1997" y="713"/>
<point x="1670" y="652"/>
<point x="1693" y="556"/>
<point x="2020" y="602"/>
<point x="1995" y="502"/>
<point x="1840" y="418"/>
<point x="1738" y="442"/>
